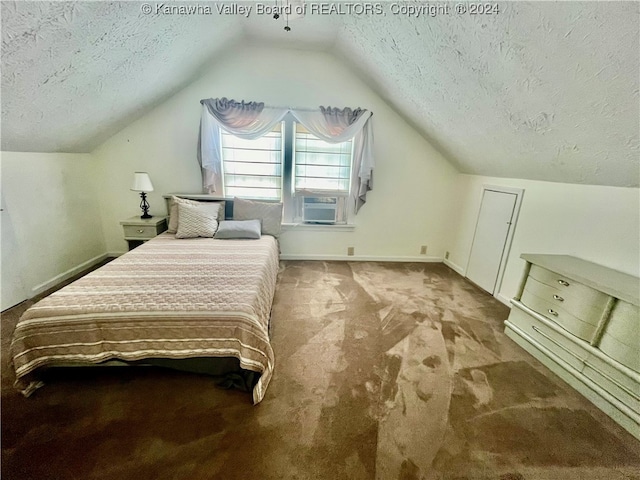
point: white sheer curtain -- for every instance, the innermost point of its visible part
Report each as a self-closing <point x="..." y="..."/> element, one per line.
<point x="335" y="126"/>
<point x="252" y="120"/>
<point x="245" y="120"/>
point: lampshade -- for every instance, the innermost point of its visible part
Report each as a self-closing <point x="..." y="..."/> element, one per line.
<point x="141" y="182"/>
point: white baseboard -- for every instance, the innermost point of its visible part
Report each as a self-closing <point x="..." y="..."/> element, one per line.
<point x="68" y="274"/>
<point x="502" y="299"/>
<point x="460" y="271"/>
<point x="359" y="258"/>
<point x="456" y="268"/>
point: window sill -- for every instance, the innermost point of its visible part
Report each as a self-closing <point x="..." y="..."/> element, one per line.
<point x="317" y="227"/>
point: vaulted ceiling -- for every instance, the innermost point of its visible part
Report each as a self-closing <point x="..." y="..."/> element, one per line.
<point x="540" y="90"/>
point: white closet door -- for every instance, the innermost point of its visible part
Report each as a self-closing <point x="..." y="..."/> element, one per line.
<point x="494" y="221"/>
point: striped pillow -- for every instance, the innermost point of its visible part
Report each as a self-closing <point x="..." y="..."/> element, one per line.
<point x="173" y="210"/>
<point x="199" y="220"/>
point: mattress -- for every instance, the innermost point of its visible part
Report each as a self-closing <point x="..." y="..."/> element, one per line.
<point x="169" y="298"/>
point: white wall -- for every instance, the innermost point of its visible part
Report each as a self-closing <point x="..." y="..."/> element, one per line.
<point x="53" y="221"/>
<point x="413" y="184"/>
<point x="51" y="224"/>
<point x="599" y="224"/>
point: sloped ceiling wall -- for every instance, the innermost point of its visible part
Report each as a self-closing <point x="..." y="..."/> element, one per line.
<point x="542" y="90"/>
<point x="74" y="73"/>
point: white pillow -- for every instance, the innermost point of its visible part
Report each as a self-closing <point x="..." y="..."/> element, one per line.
<point x="197" y="220"/>
<point x="232" y="229"/>
<point x="173" y="211"/>
<point x="270" y="214"/>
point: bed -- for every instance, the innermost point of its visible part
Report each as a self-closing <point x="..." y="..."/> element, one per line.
<point x="169" y="299"/>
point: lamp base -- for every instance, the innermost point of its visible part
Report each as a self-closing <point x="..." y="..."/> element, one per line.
<point x="144" y="205"/>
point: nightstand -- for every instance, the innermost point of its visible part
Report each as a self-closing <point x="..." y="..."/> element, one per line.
<point x="138" y="230"/>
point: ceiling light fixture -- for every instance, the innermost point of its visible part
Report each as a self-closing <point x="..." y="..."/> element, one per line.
<point x="284" y="7"/>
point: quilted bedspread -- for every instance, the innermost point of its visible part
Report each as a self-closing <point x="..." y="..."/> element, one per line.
<point x="168" y="298"/>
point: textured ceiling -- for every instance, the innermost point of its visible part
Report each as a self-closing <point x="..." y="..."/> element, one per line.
<point x="540" y="90"/>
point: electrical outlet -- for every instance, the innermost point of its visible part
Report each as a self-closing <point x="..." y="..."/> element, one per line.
<point x="350" y="251"/>
<point x="423" y="250"/>
<point x="446" y="255"/>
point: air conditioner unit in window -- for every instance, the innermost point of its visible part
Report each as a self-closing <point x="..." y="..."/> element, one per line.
<point x="319" y="209"/>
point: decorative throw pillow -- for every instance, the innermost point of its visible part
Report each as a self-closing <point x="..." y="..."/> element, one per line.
<point x="173" y="211"/>
<point x="270" y="214"/>
<point x="221" y="213"/>
<point x="238" y="229"/>
<point x="196" y="221"/>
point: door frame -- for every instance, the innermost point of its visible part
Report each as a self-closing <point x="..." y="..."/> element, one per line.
<point x="519" y="193"/>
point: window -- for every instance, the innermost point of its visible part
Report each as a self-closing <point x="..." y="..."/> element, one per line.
<point x="310" y="176"/>
<point x="321" y="167"/>
<point x="253" y="168"/>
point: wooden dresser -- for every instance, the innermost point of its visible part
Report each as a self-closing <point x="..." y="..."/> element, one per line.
<point x="582" y="320"/>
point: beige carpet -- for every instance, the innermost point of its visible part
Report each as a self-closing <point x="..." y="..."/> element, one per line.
<point x="383" y="371"/>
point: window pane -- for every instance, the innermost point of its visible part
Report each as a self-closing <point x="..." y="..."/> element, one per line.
<point x="328" y="159"/>
<point x="253" y="168"/>
<point x="253" y="193"/>
<point x="246" y="155"/>
<point x="321" y="166"/>
<point x="309" y="143"/>
<point x="263" y="143"/>
<point x="323" y="184"/>
<point x="244" y="168"/>
<point x="322" y="171"/>
<point x="252" y="181"/>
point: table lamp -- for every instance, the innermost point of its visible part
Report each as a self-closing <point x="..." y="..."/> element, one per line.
<point x="142" y="183"/>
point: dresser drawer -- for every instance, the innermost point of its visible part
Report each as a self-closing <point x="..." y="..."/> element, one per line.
<point x="559" y="344"/>
<point x="140" y="231"/>
<point x="622" y="386"/>
<point x="573" y="325"/>
<point x="621" y="337"/>
<point x="620" y="352"/>
<point x="624" y="324"/>
<point x="588" y="309"/>
<point x="569" y="287"/>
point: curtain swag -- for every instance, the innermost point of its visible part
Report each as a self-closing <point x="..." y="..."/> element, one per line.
<point x="251" y="120"/>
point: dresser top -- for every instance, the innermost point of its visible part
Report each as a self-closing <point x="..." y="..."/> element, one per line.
<point x="612" y="282"/>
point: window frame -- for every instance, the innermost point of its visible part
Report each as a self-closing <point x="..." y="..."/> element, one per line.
<point x="223" y="134"/>
<point x="293" y="202"/>
<point x="340" y="165"/>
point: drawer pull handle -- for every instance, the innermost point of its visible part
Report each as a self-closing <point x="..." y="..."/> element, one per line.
<point x="558" y="297"/>
<point x="563" y="283"/>
<point x="553" y="312"/>
<point x="141" y="231"/>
